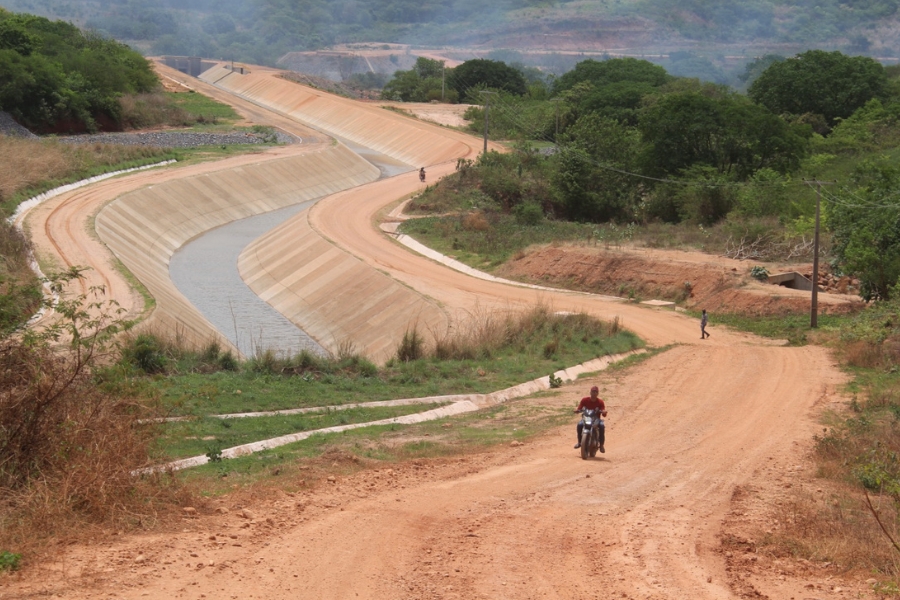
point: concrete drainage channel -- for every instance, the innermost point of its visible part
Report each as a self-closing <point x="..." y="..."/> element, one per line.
<point x="205" y="271"/>
<point x="455" y="405"/>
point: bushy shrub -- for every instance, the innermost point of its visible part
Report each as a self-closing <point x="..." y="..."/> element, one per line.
<point x="68" y="445"/>
<point x="146" y="353"/>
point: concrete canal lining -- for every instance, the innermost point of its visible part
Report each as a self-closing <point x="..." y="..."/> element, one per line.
<point x="144" y="228"/>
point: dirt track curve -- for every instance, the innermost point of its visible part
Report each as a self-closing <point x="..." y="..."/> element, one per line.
<point x="687" y="431"/>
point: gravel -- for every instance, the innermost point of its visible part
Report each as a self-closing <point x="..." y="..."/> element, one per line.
<point x="8" y="126"/>
<point x="158" y="139"/>
<point x="178" y="139"/>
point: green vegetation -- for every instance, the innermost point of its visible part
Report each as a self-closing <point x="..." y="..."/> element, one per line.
<point x="321" y="455"/>
<point x="489" y="353"/>
<point x="9" y="561"/>
<point x="793" y="328"/>
<point x="204" y="108"/>
<point x="816" y="82"/>
<point x="195" y="437"/>
<point x="189" y="109"/>
<point x="638" y="147"/>
<point x="57" y="78"/>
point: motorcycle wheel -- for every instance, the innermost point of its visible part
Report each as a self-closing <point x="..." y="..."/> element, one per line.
<point x="585" y="444"/>
<point x="594" y="447"/>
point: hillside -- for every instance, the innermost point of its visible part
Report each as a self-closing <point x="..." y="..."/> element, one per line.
<point x="709" y="40"/>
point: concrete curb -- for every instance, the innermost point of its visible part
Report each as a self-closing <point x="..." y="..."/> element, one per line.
<point x="25" y="207"/>
<point x="460" y="403"/>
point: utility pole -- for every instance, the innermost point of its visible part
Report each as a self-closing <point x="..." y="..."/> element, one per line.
<point x="814" y="301"/>
<point x="555" y="137"/>
<point x="487" y="109"/>
<point x="443" y="68"/>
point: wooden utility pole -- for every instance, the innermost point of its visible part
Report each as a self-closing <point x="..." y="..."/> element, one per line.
<point x="487" y="109"/>
<point x="814" y="301"/>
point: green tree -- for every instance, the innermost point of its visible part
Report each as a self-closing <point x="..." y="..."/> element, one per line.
<point x="422" y="83"/>
<point x="54" y="77"/>
<point x="482" y="73"/>
<point x="592" y="180"/>
<point x="615" y="88"/>
<point x="830" y="84"/>
<point x="615" y="70"/>
<point x="727" y="133"/>
<point x="14" y="37"/>
<point x="866" y="229"/>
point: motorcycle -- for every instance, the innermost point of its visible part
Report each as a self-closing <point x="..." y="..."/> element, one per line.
<point x="592" y="422"/>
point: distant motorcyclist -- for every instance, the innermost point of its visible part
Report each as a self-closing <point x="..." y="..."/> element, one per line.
<point x="422" y="174"/>
<point x="592" y="401"/>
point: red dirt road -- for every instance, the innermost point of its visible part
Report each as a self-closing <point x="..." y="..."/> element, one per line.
<point x="686" y="430"/>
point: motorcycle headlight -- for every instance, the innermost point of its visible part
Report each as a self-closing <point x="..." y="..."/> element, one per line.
<point x="587" y="421"/>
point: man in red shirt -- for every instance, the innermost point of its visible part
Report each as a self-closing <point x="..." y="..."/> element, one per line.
<point x="592" y="401"/>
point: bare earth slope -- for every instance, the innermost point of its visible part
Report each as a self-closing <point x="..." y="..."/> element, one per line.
<point x="687" y="430"/>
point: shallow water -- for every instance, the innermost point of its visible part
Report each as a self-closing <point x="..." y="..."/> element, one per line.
<point x="205" y="271"/>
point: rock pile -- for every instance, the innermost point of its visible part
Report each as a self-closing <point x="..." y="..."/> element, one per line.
<point x="178" y="139"/>
<point x="8" y="126"/>
<point x="831" y="283"/>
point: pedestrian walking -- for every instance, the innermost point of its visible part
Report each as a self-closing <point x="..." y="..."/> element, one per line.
<point x="704" y="319"/>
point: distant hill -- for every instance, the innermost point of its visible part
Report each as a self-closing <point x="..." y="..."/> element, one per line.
<point x="700" y="38"/>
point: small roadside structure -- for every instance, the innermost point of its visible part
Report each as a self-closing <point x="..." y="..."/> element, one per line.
<point x="792" y="280"/>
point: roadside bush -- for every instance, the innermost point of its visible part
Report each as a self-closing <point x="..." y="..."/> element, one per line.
<point x="412" y="346"/>
<point x="68" y="446"/>
<point x="529" y="213"/>
<point x="145" y="353"/>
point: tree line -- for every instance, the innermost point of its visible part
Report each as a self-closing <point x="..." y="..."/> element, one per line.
<point x="54" y="77"/>
<point x="630" y="143"/>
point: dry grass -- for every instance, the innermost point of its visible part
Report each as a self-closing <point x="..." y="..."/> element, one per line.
<point x="863" y="354"/>
<point x="152" y="110"/>
<point x="72" y="432"/>
<point x="484" y="332"/>
<point x="32" y="164"/>
<point x="838" y="528"/>
<point x="25" y="163"/>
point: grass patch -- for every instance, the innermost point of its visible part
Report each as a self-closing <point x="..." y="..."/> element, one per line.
<point x="485" y="355"/>
<point x="203" y="108"/>
<point x="170" y="109"/>
<point x="309" y="461"/>
<point x="200" y="436"/>
<point x="793" y="328"/>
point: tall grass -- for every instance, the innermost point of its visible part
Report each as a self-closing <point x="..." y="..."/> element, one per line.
<point x="28" y="167"/>
<point x="538" y="330"/>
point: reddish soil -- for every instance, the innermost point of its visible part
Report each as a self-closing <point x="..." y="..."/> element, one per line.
<point x="718" y="284"/>
<point x="699" y="441"/>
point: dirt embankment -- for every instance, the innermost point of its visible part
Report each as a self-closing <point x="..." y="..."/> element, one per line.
<point x="699" y="280"/>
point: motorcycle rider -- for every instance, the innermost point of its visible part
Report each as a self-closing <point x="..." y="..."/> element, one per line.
<point x="422" y="174"/>
<point x="592" y="401"/>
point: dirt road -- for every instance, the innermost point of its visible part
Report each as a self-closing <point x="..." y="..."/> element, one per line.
<point x="688" y="431"/>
